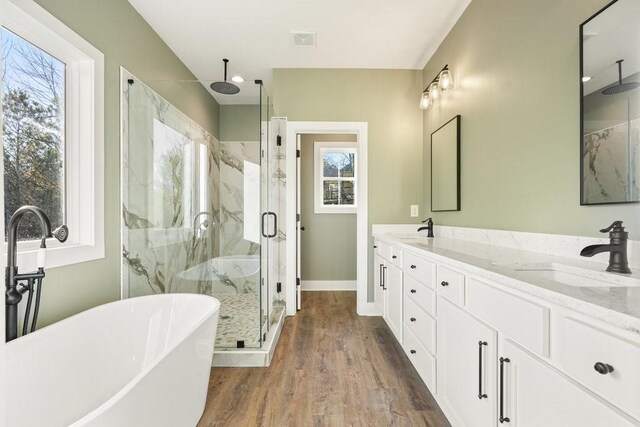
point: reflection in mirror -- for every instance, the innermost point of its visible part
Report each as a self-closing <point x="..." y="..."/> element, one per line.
<point x="445" y="167"/>
<point x="610" y="74"/>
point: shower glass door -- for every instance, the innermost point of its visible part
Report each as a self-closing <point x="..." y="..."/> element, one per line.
<point x="194" y="192"/>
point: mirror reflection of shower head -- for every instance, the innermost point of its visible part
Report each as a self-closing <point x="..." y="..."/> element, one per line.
<point x="620" y="87"/>
<point x="225" y="87"/>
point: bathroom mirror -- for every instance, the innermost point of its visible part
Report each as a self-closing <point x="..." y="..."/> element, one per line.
<point x="610" y="105"/>
<point x="445" y="167"/>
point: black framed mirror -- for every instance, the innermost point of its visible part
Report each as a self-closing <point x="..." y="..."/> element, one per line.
<point x="610" y="105"/>
<point x="445" y="167"/>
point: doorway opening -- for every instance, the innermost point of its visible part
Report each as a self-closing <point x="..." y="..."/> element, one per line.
<point x="327" y="211"/>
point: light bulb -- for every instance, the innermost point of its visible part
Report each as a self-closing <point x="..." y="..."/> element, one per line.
<point x="424" y="100"/>
<point x="586" y="79"/>
<point x="237" y="79"/>
<point x="445" y="81"/>
<point x="434" y="91"/>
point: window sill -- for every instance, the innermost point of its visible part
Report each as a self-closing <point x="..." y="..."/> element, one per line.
<point x="336" y="210"/>
<point x="59" y="256"/>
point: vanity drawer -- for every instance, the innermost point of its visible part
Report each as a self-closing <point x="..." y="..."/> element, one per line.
<point x="420" y="268"/>
<point x="396" y="257"/>
<point x="420" y="294"/>
<point x="384" y="250"/>
<point x="420" y="323"/>
<point x="422" y="360"/>
<point x="583" y="346"/>
<point x="523" y="321"/>
<point x="450" y="284"/>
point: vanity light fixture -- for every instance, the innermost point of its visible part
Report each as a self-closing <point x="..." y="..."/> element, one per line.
<point x="442" y="82"/>
<point x="424" y="100"/>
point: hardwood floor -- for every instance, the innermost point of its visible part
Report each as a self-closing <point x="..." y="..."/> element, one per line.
<point x="331" y="368"/>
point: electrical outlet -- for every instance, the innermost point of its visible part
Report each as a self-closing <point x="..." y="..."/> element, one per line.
<point x="414" y="211"/>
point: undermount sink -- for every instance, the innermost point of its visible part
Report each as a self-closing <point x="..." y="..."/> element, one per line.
<point x="576" y="276"/>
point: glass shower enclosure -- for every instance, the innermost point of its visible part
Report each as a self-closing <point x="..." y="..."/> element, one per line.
<point x="202" y="198"/>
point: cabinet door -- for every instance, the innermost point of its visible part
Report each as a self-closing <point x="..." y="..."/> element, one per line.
<point x="467" y="352"/>
<point x="394" y="300"/>
<point x="378" y="265"/>
<point x="536" y="394"/>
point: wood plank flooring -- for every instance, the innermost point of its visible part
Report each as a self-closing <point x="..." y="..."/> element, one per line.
<point x="331" y="368"/>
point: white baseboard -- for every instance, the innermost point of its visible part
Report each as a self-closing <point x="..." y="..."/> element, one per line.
<point x="329" y="285"/>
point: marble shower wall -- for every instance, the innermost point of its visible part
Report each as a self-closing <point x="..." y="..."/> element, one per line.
<point x="234" y="158"/>
<point x="171" y="202"/>
<point x="277" y="200"/>
<point x="610" y="164"/>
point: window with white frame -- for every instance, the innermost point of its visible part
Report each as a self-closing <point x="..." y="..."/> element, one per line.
<point x="52" y="131"/>
<point x="335" y="177"/>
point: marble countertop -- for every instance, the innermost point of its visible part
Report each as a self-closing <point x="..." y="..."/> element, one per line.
<point x="618" y="304"/>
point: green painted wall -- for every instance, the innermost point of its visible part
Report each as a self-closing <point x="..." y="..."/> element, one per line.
<point x="515" y="64"/>
<point x="329" y="241"/>
<point x="125" y="39"/>
<point x="239" y="123"/>
<point x="388" y="101"/>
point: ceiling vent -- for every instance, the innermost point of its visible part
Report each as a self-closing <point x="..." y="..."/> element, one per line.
<point x="303" y="38"/>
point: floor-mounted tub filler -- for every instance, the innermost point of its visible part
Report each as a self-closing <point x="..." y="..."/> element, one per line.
<point x="137" y="362"/>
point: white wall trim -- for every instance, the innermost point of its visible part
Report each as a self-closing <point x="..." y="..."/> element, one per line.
<point x="329" y="285"/>
<point x="362" y="224"/>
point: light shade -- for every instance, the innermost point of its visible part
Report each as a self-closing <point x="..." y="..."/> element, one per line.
<point x="434" y="91"/>
<point x="444" y="81"/>
<point x="425" y="101"/>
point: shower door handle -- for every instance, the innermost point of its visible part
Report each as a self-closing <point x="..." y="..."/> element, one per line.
<point x="275" y="225"/>
<point x="264" y="214"/>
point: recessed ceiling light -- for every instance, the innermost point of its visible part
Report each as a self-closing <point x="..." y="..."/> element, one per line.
<point x="237" y="79"/>
<point x="586" y="79"/>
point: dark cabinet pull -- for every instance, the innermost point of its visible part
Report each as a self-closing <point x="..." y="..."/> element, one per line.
<point x="384" y="276"/>
<point x="603" y="368"/>
<point x="381" y="278"/>
<point x="443" y="283"/>
<point x="413" y="352"/>
<point x="502" y="418"/>
<point x="481" y="395"/>
<point x="413" y="266"/>
<point x="375" y="246"/>
<point x="394" y="257"/>
<point x="413" y="319"/>
<point x="413" y="291"/>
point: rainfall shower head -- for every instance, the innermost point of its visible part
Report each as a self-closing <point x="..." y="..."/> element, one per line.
<point x="225" y="87"/>
<point x="620" y="87"/>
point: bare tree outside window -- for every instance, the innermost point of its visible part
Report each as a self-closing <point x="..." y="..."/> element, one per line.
<point x="33" y="131"/>
<point x="338" y="178"/>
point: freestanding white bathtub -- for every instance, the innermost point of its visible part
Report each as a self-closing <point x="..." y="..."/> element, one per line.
<point x="137" y="362"/>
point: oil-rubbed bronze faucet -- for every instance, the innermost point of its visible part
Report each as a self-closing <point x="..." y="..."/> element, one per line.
<point x="14" y="289"/>
<point x="617" y="248"/>
<point x="428" y="227"/>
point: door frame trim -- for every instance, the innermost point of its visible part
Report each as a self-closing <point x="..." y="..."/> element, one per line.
<point x="364" y="308"/>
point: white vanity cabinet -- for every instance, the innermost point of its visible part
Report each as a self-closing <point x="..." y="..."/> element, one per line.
<point x="532" y="394"/>
<point x="393" y="286"/>
<point x="466" y="367"/>
<point x="388" y="286"/>
<point x="494" y="356"/>
<point x="378" y="284"/>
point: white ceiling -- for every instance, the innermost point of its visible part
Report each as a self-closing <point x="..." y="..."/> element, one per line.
<point x="255" y="34"/>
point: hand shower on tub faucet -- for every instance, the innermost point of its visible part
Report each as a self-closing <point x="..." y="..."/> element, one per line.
<point x="19" y="284"/>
